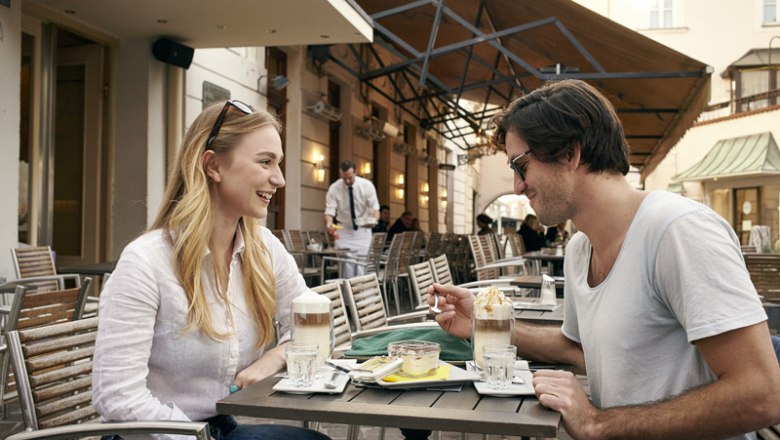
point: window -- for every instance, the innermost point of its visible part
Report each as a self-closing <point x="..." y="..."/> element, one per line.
<point x="771" y="11"/>
<point x="662" y="14"/>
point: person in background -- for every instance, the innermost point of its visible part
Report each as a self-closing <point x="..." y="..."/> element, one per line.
<point x="414" y="225"/>
<point x="401" y="224"/>
<point x="557" y="234"/>
<point x="352" y="199"/>
<point x="187" y="316"/>
<point x="532" y="232"/>
<point x="659" y="309"/>
<point x="483" y="223"/>
<point x="384" y="219"/>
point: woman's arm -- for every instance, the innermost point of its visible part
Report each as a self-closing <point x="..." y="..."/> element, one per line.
<point x="128" y="310"/>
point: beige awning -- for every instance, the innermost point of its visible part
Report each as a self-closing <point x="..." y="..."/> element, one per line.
<point x="753" y="155"/>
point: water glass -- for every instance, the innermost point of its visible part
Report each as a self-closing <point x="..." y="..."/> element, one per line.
<point x="499" y="365"/>
<point x="301" y="364"/>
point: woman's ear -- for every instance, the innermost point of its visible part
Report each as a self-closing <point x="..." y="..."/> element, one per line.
<point x="211" y="166"/>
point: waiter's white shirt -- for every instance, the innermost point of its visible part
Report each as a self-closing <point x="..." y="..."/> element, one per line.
<point x="337" y="200"/>
<point x="147" y="367"/>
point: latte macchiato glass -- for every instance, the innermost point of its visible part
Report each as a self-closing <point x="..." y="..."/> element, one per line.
<point x="312" y="323"/>
<point x="491" y="320"/>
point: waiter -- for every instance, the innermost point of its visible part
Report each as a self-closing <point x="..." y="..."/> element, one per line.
<point x="352" y="200"/>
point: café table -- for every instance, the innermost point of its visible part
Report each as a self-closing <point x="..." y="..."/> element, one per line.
<point x="535" y="282"/>
<point x="544" y="317"/>
<point x="98" y="269"/>
<point x="459" y="411"/>
<point x="545" y="255"/>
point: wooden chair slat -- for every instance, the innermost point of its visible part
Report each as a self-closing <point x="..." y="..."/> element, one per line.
<point x="41" y="362"/>
<point x="63" y="389"/>
<point x="81" y="415"/>
<point x="49" y="346"/>
<point x="73" y="401"/>
<point x="61" y="374"/>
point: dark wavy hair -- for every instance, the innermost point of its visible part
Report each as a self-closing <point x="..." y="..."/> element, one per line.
<point x="556" y="117"/>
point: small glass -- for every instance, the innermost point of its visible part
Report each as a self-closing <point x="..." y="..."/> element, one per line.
<point x="499" y="361"/>
<point x="301" y="364"/>
<point x="420" y="358"/>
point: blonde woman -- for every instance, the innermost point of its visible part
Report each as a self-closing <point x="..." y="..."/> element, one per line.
<point x="187" y="316"/>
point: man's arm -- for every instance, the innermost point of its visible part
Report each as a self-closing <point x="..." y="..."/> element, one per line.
<point x="328" y="221"/>
<point x="547" y="344"/>
<point x="745" y="397"/>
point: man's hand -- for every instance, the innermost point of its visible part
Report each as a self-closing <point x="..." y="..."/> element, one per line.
<point x="561" y="391"/>
<point x="456" y="304"/>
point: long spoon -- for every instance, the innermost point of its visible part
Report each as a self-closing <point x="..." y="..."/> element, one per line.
<point x="435" y="308"/>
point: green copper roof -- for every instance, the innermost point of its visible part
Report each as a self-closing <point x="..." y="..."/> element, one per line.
<point x="752" y="155"/>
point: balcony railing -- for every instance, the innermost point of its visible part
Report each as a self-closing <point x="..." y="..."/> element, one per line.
<point x="740" y="105"/>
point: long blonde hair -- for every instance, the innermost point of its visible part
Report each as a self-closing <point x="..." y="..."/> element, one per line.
<point x="187" y="219"/>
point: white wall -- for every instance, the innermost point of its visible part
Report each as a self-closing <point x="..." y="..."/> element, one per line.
<point x="10" y="54"/>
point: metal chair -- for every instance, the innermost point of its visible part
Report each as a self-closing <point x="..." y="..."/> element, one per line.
<point x="342" y="332"/>
<point x="33" y="308"/>
<point x="370" y="262"/>
<point x="364" y="299"/>
<point x="421" y="277"/>
<point x="54" y="370"/>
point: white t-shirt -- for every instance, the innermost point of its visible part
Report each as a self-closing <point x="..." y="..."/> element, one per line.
<point x="680" y="277"/>
<point x="146" y="367"/>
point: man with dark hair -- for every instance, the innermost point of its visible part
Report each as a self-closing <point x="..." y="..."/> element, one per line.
<point x="384" y="219"/>
<point x="352" y="200"/>
<point x="402" y="224"/>
<point x="659" y="309"/>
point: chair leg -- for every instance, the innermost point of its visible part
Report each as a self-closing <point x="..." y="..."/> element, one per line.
<point x="353" y="432"/>
<point x="395" y="295"/>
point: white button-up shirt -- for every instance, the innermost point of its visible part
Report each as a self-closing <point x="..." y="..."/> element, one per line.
<point x="337" y="200"/>
<point x="147" y="366"/>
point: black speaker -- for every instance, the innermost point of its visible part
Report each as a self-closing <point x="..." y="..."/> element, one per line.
<point x="171" y="52"/>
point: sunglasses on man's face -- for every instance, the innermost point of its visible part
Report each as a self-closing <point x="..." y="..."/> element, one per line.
<point x="240" y="106"/>
<point x="519" y="168"/>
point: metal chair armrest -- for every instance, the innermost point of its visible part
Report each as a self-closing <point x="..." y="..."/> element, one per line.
<point x="199" y="430"/>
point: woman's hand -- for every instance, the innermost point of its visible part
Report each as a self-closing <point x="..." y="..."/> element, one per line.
<point x="456" y="304"/>
<point x="271" y="362"/>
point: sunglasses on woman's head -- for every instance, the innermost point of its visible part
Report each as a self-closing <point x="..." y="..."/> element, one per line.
<point x="519" y="168"/>
<point x="240" y="106"/>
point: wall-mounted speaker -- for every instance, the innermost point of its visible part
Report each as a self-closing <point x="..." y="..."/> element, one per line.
<point x="171" y="52"/>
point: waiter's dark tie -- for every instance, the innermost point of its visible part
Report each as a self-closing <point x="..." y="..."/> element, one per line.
<point x="352" y="208"/>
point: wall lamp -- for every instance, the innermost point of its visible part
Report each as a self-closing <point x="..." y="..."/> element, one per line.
<point x="399" y="186"/>
<point x="443" y="197"/>
<point x="366" y="169"/>
<point x="425" y="193"/>
<point x="319" y="167"/>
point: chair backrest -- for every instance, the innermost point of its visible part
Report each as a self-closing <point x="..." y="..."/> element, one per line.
<point x="410" y="250"/>
<point x="421" y="276"/>
<point x="33" y="261"/>
<point x="32" y="308"/>
<point x="764" y="271"/>
<point x="375" y="251"/>
<point x="433" y="245"/>
<point x="365" y="301"/>
<point x="297" y="243"/>
<point x="482" y="256"/>
<point x="54" y="369"/>
<point x="441" y="270"/>
<point x="279" y="233"/>
<point x="342" y="332"/>
<point x="516" y="244"/>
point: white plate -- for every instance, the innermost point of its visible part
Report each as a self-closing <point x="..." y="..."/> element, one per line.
<point x="457" y="375"/>
<point x="516" y="389"/>
<point x="318" y="386"/>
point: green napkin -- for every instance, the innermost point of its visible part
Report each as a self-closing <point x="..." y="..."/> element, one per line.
<point x="452" y="348"/>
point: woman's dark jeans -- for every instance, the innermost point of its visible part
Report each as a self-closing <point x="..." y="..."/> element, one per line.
<point x="226" y="428"/>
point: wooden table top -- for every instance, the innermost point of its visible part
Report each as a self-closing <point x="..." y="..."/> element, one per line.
<point x="463" y="411"/>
